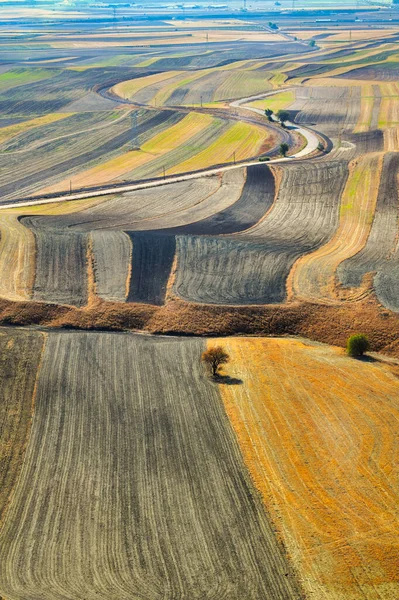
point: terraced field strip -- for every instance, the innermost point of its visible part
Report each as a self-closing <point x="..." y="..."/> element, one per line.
<point x="112" y="258"/>
<point x="275" y="102"/>
<point x="239" y="82"/>
<point x="133" y="484"/>
<point x="11" y="131"/>
<point x="17" y="77"/>
<point x="383" y="237"/>
<point x="20" y="354"/>
<point x="318" y="432"/>
<point x="252" y="267"/>
<point x="61" y="264"/>
<point x="241" y="140"/>
<point x="256" y="198"/>
<point x="17" y="258"/>
<point x="184" y="79"/>
<point x="366" y="109"/>
<point x="314" y="275"/>
<point x="152" y="261"/>
<point x="127" y="89"/>
<point x="90" y="150"/>
<point x="389" y="112"/>
<point x="166" y="141"/>
<point x="139" y="210"/>
<point x="223" y="194"/>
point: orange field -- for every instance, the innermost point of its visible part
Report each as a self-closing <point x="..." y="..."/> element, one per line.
<point x="318" y="431"/>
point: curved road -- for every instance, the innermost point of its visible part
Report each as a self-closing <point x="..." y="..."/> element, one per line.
<point x="310" y="137"/>
<point x="311" y="146"/>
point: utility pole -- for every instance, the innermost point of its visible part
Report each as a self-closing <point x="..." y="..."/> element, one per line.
<point x="201" y="101"/>
<point x="70" y="186"/>
<point x="164" y="172"/>
<point x="234" y="157"/>
<point x="135" y="143"/>
<point x="350" y="35"/>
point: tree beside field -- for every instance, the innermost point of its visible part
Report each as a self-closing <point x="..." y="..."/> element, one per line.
<point x="284" y="149"/>
<point x="283" y="116"/>
<point x="214" y="357"/>
<point x="269" y="113"/>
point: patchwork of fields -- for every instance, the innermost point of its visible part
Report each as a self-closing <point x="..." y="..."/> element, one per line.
<point x="126" y="471"/>
<point x="139" y="473"/>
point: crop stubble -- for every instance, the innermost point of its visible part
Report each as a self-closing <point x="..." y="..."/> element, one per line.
<point x="318" y="433"/>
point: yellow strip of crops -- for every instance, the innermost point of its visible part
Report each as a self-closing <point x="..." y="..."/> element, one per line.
<point x="313" y="275"/>
<point x="163" y="95"/>
<point x="11" y="131"/>
<point x="17" y="258"/>
<point x="389" y="112"/>
<point x="162" y="143"/>
<point x="276" y="102"/>
<point x="243" y="139"/>
<point x="318" y="432"/>
<point x="127" y="89"/>
<point x="366" y="109"/>
<point x="391" y="139"/>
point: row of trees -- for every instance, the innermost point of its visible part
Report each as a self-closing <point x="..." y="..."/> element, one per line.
<point x="282" y="116"/>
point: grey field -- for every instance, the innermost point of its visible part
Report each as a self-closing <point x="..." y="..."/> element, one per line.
<point x="133" y="485"/>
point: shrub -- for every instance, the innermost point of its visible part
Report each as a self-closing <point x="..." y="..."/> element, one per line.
<point x="264" y="158"/>
<point x="357" y="345"/>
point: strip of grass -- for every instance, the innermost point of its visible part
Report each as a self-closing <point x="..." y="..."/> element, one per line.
<point x="12" y="130"/>
<point x="241" y="139"/>
<point x="276" y="102"/>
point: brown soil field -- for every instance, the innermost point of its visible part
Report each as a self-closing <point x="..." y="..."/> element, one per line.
<point x="318" y="432"/>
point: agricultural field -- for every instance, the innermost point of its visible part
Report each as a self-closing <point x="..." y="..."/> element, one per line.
<point x="175" y="508"/>
<point x="147" y="215"/>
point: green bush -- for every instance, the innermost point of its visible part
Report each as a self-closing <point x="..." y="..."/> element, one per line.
<point x="264" y="158"/>
<point x="357" y="344"/>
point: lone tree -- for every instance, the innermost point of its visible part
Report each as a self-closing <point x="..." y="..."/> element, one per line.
<point x="214" y="357"/>
<point x="284" y="149"/>
<point x="320" y="147"/>
<point x="357" y="345"/>
<point x="269" y="113"/>
<point x="283" y="116"/>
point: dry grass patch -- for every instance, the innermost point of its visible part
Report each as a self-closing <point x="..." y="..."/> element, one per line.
<point x="318" y="433"/>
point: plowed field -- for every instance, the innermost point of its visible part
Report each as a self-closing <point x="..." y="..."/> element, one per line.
<point x="133" y="484"/>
